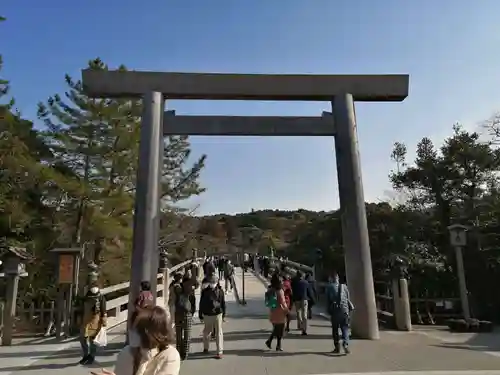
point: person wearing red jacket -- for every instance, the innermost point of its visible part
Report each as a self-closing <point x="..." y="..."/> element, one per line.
<point x="287" y="288"/>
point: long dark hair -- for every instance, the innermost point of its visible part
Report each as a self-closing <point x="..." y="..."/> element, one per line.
<point x="276" y="282"/>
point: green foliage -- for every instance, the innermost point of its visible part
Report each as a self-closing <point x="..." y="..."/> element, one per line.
<point x="73" y="183"/>
<point x="457" y="182"/>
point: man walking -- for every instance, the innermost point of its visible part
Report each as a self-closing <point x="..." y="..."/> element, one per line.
<point x="208" y="267"/>
<point x="212" y="311"/>
<point x="340" y="308"/>
<point x="228" y="275"/>
<point x="220" y="266"/>
<point x="301" y="293"/>
<point x="313" y="295"/>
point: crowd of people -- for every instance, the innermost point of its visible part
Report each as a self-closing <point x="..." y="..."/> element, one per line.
<point x="153" y="348"/>
<point x="159" y="339"/>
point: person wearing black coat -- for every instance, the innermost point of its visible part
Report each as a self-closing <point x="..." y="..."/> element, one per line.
<point x="212" y="311"/>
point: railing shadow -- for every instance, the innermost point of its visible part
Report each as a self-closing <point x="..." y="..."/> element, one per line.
<point x="482" y="342"/>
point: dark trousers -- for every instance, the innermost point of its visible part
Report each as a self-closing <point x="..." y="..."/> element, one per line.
<point x="88" y="347"/>
<point x="340" y="322"/>
<point x="277" y="332"/>
<point x="183" y="324"/>
<point x="288" y="319"/>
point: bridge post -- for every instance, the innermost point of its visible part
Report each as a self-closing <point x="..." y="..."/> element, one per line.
<point x="402" y="312"/>
<point x="354" y="225"/>
<point x="147" y="196"/>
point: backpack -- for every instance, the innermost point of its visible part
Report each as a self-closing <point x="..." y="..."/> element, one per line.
<point x="182" y="302"/>
<point x="271" y="299"/>
<point x="214" y="299"/>
<point x="336" y="304"/>
<point x="144" y="299"/>
<point x="173" y="289"/>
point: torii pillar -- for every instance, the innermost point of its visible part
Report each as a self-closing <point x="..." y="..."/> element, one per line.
<point x="355" y="237"/>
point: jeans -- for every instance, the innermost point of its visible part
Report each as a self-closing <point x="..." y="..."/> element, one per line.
<point x="340" y="321"/>
<point x="88" y="346"/>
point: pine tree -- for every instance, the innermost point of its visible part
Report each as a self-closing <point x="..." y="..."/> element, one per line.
<point x="96" y="142"/>
<point x="19" y="171"/>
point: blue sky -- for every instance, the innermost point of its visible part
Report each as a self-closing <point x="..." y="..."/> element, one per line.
<point x="451" y="49"/>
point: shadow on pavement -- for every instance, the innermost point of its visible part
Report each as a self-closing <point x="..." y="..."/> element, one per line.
<point x="58" y="366"/>
<point x="263" y="334"/>
<point x="245" y="315"/>
<point x="40" y="340"/>
<point x="72" y="354"/>
<point x="111" y="349"/>
<point x="484" y="341"/>
<point x="489" y="342"/>
<point x="259" y="353"/>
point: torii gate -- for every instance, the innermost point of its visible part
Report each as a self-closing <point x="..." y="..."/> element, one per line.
<point x="340" y="90"/>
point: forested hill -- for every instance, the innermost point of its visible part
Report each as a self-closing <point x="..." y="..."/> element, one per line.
<point x="299" y="234"/>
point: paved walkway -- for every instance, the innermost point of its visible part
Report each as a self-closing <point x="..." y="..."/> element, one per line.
<point x="395" y="353"/>
<point x="247" y="327"/>
<point x="51" y="357"/>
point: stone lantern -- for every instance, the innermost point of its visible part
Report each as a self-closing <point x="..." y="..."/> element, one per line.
<point x="13" y="262"/>
<point x="458" y="239"/>
<point x="399" y="280"/>
<point x="92" y="275"/>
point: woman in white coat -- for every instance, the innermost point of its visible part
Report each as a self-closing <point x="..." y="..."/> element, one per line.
<point x="156" y="355"/>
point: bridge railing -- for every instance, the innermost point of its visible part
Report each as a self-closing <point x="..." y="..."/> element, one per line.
<point x="424" y="310"/>
<point x="31" y="318"/>
<point x="117" y="307"/>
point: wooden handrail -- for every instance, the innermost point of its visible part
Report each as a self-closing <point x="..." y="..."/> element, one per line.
<point x="117" y="308"/>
